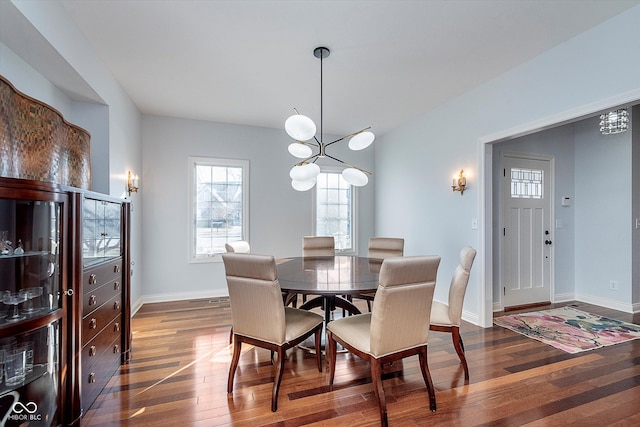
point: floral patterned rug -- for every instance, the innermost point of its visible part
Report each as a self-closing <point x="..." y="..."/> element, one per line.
<point x="570" y="329"/>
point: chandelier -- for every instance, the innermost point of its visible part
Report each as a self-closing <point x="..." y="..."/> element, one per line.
<point x="614" y="121"/>
<point x="303" y="129"/>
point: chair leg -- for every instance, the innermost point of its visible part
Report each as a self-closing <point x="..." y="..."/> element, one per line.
<point x="234" y="364"/>
<point x="459" y="346"/>
<point x="424" y="366"/>
<point x="331" y="353"/>
<point x="277" y="380"/>
<point x="231" y="335"/>
<point x="376" y="379"/>
<point x="318" y="336"/>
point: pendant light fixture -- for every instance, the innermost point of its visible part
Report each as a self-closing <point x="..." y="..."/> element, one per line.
<point x="303" y="129"/>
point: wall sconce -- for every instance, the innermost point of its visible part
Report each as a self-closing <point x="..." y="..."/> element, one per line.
<point x="132" y="183"/>
<point x="459" y="182"/>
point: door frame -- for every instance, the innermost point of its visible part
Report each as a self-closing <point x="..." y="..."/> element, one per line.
<point x="551" y="218"/>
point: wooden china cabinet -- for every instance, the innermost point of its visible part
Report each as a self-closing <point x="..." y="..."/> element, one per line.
<point x="64" y="294"/>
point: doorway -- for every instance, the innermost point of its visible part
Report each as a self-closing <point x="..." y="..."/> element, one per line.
<point x="526" y="235"/>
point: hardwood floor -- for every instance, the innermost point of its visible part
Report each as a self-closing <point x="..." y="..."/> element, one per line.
<point x="181" y="355"/>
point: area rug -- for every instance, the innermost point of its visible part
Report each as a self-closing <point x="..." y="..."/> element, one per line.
<point x="570" y="329"/>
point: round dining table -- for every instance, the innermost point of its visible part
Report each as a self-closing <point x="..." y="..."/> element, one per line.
<point x="330" y="279"/>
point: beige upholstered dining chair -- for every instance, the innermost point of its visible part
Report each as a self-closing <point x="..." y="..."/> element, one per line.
<point x="381" y="248"/>
<point x="385" y="247"/>
<point x="260" y="317"/>
<point x="316" y="246"/>
<point x="240" y="246"/>
<point x="313" y="246"/>
<point x="446" y="317"/>
<point x="398" y="325"/>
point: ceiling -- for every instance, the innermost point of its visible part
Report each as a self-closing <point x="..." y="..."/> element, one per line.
<point x="251" y="62"/>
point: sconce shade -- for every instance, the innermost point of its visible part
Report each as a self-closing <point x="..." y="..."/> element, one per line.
<point x="299" y="150"/>
<point x="361" y="141"/>
<point x="305" y="172"/>
<point x="300" y="128"/>
<point x="303" y="185"/>
<point x="614" y="122"/>
<point x="355" y="177"/>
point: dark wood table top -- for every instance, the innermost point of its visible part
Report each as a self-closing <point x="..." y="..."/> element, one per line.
<point x="335" y="275"/>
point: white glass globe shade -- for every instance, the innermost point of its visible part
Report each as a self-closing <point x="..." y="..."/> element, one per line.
<point x="355" y="177"/>
<point x="305" y="172"/>
<point x="300" y="150"/>
<point x="300" y="128"/>
<point x="361" y="141"/>
<point x="303" y="185"/>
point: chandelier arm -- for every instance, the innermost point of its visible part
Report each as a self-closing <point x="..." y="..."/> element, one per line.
<point x="315" y="157"/>
<point x="304" y="143"/>
<point x="347" y="136"/>
<point x="350" y="165"/>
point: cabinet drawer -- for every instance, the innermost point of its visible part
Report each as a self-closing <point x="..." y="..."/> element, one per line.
<point x="95" y="376"/>
<point x="96" y="321"/>
<point x="94" y="277"/>
<point x="107" y="340"/>
<point x="94" y="299"/>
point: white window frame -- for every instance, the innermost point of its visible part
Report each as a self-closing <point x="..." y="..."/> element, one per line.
<point x="354" y="212"/>
<point x="214" y="161"/>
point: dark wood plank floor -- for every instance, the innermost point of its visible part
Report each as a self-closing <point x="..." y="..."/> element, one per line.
<point x="181" y="355"/>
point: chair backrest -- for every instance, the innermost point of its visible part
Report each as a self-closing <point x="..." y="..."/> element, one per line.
<point x="318" y="246"/>
<point x="459" y="282"/>
<point x="240" y="246"/>
<point x="385" y="247"/>
<point x="257" y="309"/>
<point x="401" y="311"/>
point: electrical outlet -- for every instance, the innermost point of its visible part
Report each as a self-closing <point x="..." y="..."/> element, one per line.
<point x="613" y="285"/>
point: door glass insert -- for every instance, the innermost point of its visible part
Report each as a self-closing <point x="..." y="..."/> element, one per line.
<point x="526" y="183"/>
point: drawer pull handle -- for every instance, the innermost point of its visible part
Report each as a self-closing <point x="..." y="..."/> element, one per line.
<point x="116" y="268"/>
<point x="92" y="300"/>
<point x="92" y="377"/>
<point x="116" y="305"/>
<point x="116" y="286"/>
<point x="93" y="279"/>
<point x="116" y="348"/>
<point x="116" y="327"/>
<point x="92" y="350"/>
<point x="93" y="323"/>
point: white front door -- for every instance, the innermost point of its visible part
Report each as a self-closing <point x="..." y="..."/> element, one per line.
<point x="527" y="236"/>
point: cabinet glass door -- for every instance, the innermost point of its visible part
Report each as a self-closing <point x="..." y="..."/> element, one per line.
<point x="29" y="259"/>
<point x="101" y="231"/>
<point x="31" y="310"/>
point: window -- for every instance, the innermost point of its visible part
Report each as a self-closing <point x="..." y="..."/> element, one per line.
<point x="526" y="183"/>
<point x="334" y="210"/>
<point x="219" y="205"/>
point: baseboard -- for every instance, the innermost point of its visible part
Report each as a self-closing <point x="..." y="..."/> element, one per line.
<point x="470" y="317"/>
<point x="607" y="303"/>
<point x="136" y="306"/>
<point x="497" y="306"/>
<point x="564" y="297"/>
<point x="181" y="296"/>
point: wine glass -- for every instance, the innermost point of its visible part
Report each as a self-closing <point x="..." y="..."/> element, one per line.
<point x="31" y="293"/>
<point x="14" y="298"/>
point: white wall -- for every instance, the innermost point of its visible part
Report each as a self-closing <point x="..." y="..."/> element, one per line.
<point x="278" y="218"/>
<point x="415" y="162"/>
